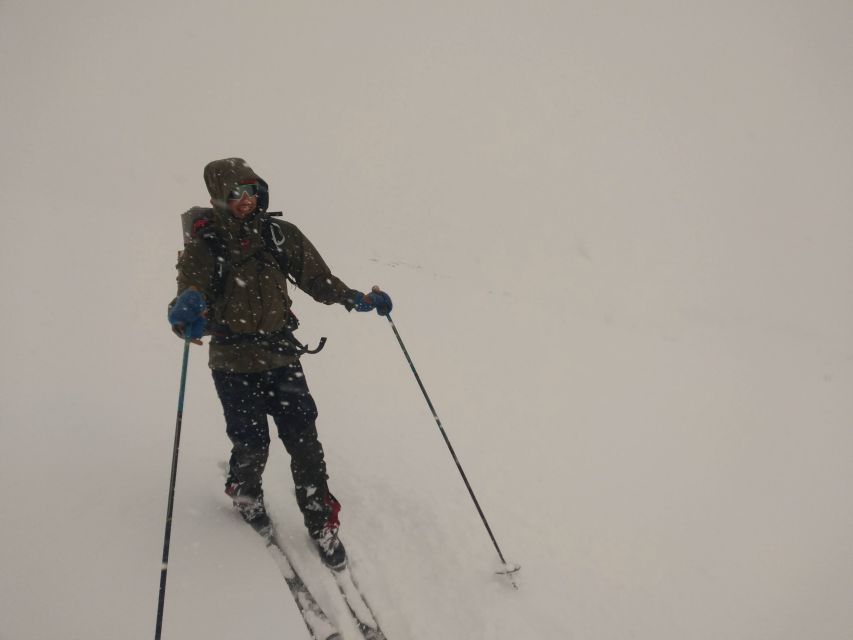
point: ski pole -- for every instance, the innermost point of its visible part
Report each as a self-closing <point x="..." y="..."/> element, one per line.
<point x="508" y="569"/>
<point x="167" y="536"/>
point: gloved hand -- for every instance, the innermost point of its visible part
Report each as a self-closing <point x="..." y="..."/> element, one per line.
<point x="187" y="315"/>
<point x="376" y="299"/>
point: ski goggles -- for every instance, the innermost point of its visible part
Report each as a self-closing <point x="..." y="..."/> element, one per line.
<point x="249" y="189"/>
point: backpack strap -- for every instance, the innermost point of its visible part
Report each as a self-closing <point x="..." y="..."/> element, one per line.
<point x="281" y="342"/>
<point x="274" y="239"/>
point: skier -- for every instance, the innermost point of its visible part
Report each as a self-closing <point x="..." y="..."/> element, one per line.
<point x="232" y="285"/>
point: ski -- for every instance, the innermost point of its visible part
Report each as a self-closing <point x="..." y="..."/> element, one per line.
<point x="316" y="620"/>
<point x="319" y="625"/>
<point x="357" y="604"/>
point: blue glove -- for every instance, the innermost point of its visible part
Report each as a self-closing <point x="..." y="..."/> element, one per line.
<point x="186" y="315"/>
<point x="376" y="299"/>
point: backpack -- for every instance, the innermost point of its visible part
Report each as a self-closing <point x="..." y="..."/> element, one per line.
<point x="197" y="222"/>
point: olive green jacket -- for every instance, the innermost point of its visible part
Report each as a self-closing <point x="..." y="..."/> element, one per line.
<point x="249" y="303"/>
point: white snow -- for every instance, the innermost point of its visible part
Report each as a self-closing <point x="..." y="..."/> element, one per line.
<point x="618" y="240"/>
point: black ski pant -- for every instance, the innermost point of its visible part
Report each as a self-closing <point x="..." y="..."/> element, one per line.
<point x="247" y="399"/>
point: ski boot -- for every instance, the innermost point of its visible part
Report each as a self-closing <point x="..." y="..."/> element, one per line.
<point x="330" y="547"/>
<point x="250" y="508"/>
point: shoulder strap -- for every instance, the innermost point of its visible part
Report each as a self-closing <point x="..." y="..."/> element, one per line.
<point x="274" y="239"/>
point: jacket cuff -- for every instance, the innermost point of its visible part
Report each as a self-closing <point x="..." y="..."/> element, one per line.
<point x="353" y="297"/>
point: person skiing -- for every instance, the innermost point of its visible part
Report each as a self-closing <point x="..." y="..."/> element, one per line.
<point x="232" y="285"/>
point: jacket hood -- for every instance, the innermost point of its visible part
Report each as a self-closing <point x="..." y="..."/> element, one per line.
<point x="223" y="176"/>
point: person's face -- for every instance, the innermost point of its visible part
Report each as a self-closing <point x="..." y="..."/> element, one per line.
<point x="243" y="207"/>
<point x="243" y="200"/>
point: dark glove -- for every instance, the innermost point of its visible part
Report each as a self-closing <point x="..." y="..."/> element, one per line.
<point x="186" y="315"/>
<point x="376" y="299"/>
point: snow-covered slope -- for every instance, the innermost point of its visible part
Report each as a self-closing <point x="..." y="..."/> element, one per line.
<point x="618" y="242"/>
